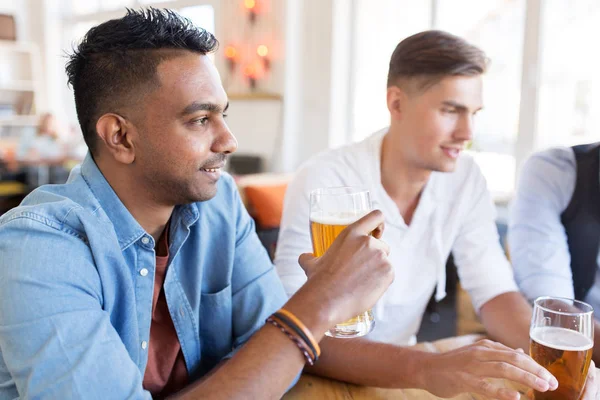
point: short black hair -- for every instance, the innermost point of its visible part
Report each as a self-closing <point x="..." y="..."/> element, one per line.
<point x="432" y="55"/>
<point x="115" y="63"/>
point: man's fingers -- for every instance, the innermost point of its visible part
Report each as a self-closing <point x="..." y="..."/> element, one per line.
<point x="493" y="391"/>
<point x="590" y="391"/>
<point x="379" y="244"/>
<point x="305" y="261"/>
<point x="368" y="223"/>
<point x="503" y="370"/>
<point x="378" y="232"/>
<point x="493" y="345"/>
<point x="525" y="363"/>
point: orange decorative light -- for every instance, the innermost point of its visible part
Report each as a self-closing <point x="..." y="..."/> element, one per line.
<point x="262" y="50"/>
<point x="252" y="8"/>
<point x="253" y="72"/>
<point x="250" y="71"/>
<point x="230" y="52"/>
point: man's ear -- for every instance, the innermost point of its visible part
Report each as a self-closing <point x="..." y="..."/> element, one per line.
<point x="396" y="101"/>
<point x="117" y="134"/>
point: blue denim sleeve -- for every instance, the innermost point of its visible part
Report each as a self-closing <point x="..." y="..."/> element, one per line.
<point x="56" y="341"/>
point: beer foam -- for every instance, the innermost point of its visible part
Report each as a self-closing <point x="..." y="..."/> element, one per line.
<point x="338" y="218"/>
<point x="561" y="338"/>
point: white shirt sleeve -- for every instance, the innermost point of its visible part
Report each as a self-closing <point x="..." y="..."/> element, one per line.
<point x="482" y="266"/>
<point x="294" y="235"/>
<point x="537" y="239"/>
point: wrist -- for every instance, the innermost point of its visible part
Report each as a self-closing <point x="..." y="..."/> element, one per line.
<point x="424" y="368"/>
<point x="313" y="316"/>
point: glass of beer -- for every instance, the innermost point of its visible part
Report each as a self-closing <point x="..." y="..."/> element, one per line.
<point x="332" y="210"/>
<point x="561" y="340"/>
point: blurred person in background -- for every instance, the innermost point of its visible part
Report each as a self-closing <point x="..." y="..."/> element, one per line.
<point x="554" y="228"/>
<point x="45" y="143"/>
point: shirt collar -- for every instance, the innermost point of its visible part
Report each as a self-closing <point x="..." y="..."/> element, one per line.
<point x="429" y="197"/>
<point x="126" y="227"/>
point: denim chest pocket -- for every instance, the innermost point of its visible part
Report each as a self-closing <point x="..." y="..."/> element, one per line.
<point x="216" y="330"/>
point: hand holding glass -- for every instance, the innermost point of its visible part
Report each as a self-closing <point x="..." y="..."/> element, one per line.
<point x="331" y="211"/>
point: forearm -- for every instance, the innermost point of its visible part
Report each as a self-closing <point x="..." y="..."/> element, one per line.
<point x="507" y="318"/>
<point x="367" y="363"/>
<point x="265" y="366"/>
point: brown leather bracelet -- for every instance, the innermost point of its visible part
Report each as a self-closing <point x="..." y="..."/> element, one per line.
<point x="302" y="327"/>
<point x="294" y="339"/>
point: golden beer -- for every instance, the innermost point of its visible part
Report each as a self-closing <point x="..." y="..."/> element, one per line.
<point x="566" y="354"/>
<point x="323" y="232"/>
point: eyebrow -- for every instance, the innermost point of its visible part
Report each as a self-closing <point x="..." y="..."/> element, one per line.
<point x="211" y="107"/>
<point x="460" y="107"/>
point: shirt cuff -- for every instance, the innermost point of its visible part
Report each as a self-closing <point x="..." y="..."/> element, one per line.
<point x="482" y="295"/>
<point x="537" y="286"/>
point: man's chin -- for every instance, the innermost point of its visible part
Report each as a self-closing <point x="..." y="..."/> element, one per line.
<point x="446" y="167"/>
<point x="207" y="192"/>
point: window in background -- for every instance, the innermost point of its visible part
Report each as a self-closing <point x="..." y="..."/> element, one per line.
<point x="79" y="7"/>
<point x="379" y="26"/>
<point x="84" y="7"/>
<point x="569" y="100"/>
<point x="202" y="16"/>
<point x="497" y="27"/>
<point x="111" y="5"/>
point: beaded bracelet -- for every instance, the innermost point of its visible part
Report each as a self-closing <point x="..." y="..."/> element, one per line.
<point x="294" y="339"/>
<point x="283" y="320"/>
<point x="300" y="326"/>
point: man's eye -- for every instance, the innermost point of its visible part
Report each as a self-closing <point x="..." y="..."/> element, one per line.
<point x="449" y="110"/>
<point x="200" y="121"/>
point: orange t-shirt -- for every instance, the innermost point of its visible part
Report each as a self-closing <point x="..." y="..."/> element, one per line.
<point x="166" y="372"/>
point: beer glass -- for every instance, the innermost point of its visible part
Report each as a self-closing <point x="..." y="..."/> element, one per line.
<point x="561" y="340"/>
<point x="332" y="210"/>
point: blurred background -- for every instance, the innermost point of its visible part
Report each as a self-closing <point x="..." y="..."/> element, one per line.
<point x="306" y="75"/>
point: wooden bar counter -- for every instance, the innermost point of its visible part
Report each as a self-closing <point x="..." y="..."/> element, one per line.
<point x="313" y="387"/>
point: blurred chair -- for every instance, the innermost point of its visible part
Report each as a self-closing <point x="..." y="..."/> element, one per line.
<point x="245" y="164"/>
<point x="12" y="190"/>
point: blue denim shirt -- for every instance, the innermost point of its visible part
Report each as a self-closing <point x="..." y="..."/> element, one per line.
<point x="77" y="279"/>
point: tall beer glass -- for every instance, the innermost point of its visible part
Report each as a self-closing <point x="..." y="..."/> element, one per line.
<point x="332" y="210"/>
<point x="561" y="340"/>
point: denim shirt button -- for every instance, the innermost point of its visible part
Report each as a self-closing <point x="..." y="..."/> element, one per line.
<point x="145" y="240"/>
<point x="144" y="271"/>
<point x="144" y="345"/>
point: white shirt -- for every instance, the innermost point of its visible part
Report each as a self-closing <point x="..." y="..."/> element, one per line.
<point x="455" y="214"/>
<point x="538" y="240"/>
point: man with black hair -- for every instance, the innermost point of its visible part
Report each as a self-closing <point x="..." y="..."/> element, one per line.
<point x="144" y="273"/>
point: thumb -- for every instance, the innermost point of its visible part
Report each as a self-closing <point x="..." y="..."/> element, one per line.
<point x="306" y="261"/>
